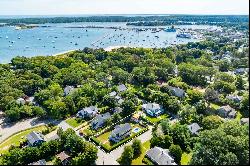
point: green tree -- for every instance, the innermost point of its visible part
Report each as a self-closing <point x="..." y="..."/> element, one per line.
<point x="216" y="145"/>
<point x="194" y="96"/>
<point x="127" y="156"/>
<point x="211" y="122"/>
<point x="176" y="152"/>
<point x="181" y="135"/>
<point x="137" y="147"/>
<point x="239" y="82"/>
<point x="168" y="141"/>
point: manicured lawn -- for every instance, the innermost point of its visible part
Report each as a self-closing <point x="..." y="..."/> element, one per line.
<point x="185" y="158"/>
<point x="156" y="119"/>
<point x="104" y="138"/>
<point x="74" y="122"/>
<point x="16" y="138"/>
<point x="146" y="147"/>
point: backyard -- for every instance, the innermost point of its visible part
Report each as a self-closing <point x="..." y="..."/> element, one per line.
<point x="156" y="119"/>
<point x="104" y="138"/>
<point x="75" y="122"/>
<point x="16" y="138"/>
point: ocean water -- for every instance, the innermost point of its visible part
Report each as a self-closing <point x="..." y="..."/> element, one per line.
<point x="62" y="37"/>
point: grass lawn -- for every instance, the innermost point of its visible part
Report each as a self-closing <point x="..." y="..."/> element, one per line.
<point x="185" y="158"/>
<point x="238" y="116"/>
<point x="74" y="122"/>
<point x="104" y="138"/>
<point x="14" y="139"/>
<point x="146" y="147"/>
<point x="156" y="119"/>
<point x="214" y="106"/>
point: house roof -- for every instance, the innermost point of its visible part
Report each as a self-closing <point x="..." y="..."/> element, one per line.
<point x="194" y="128"/>
<point x="30" y="99"/>
<point x="89" y="110"/>
<point x="62" y="156"/>
<point x="112" y="94"/>
<point x="151" y="106"/>
<point x="160" y="156"/>
<point x="232" y="113"/>
<point x="33" y="136"/>
<point x="121" y="129"/>
<point x="136" y="116"/>
<point x="177" y="91"/>
<point x="226" y="108"/>
<point x="120" y="101"/>
<point x="244" y="121"/>
<point x="122" y="88"/>
<point x="39" y="162"/>
<point x="100" y="119"/>
<point x="68" y="89"/>
<point x="117" y="110"/>
<point x="234" y="97"/>
<point x="20" y="100"/>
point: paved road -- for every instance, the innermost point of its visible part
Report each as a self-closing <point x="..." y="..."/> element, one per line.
<point x="105" y="159"/>
<point x="7" y="130"/>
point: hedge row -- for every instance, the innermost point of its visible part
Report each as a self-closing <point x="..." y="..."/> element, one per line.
<point x="108" y="149"/>
<point x="147" y="161"/>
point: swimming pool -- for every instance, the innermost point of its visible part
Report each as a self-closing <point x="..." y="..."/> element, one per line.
<point x="136" y="130"/>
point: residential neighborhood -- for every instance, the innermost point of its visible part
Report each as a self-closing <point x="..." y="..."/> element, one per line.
<point x="179" y="104"/>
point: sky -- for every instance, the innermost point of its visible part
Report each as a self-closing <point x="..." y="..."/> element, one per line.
<point x="71" y="7"/>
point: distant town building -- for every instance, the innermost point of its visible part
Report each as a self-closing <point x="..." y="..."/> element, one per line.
<point x="160" y="156"/>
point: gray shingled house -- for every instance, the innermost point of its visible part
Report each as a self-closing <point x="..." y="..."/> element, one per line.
<point x="120" y="132"/>
<point x="35" y="138"/>
<point x="194" y="128"/>
<point x="100" y="120"/>
<point x="227" y="112"/>
<point x="160" y="156"/>
<point x="88" y="112"/>
<point x="177" y="91"/>
<point x="39" y="162"/>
